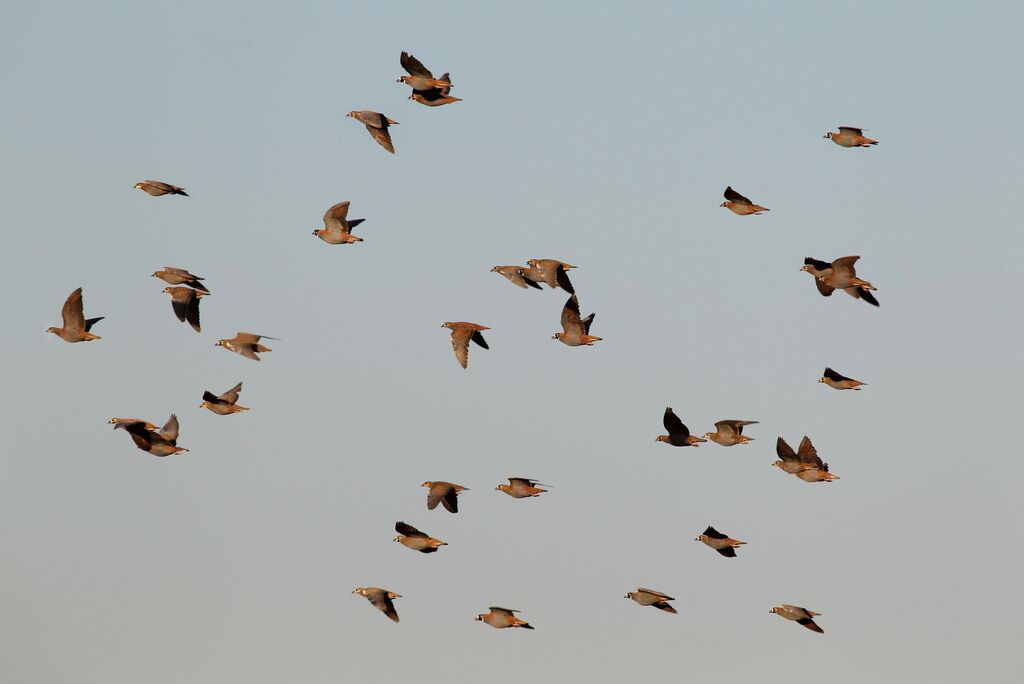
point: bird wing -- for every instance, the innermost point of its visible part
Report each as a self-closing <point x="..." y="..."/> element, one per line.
<point x="675" y="426"/>
<point x="714" y="534"/>
<point x="334" y="218"/>
<point x="571" y="317"/>
<point x="382" y="136"/>
<point x="247" y="351"/>
<point x="825" y="290"/>
<point x="479" y="339"/>
<point x="855" y="292"/>
<point x="502" y="611"/>
<point x="736" y="197"/>
<point x="451" y="500"/>
<point x="409" y="531"/>
<point x="808" y="454"/>
<point x="562" y="277"/>
<point x="213" y="398"/>
<point x="71" y="312"/>
<point x="181" y="298"/>
<point x="180" y="271"/>
<point x="657" y="594"/>
<point x="250" y="338"/>
<point x="192" y="312"/>
<point x="231" y="396"/>
<point x="382" y="602"/>
<point x="170" y="429"/>
<point x="460" y="343"/>
<point x="844" y="265"/>
<point x="414" y="66"/>
<point x="437" y="492"/>
<point x="851" y="129"/>
<point x="832" y="375"/>
<point x="734" y="425"/>
<point x="784" y="451"/>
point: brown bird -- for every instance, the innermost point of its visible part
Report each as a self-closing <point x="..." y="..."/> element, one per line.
<point x="730" y="432"/>
<point x="434" y="97"/>
<point x="157" y="188"/>
<point x="225" y="404"/>
<point x="576" y="332"/>
<point x="849" y="136"/>
<point x="246" y="344"/>
<point x="377" y="125"/>
<point x="185" y="303"/>
<point x="419" y="77"/>
<point x="337" y="228"/>
<point x="76" y="325"/>
<point x="840" y="382"/>
<point x="819" y="269"/>
<point x="444" y="493"/>
<point x="412" y="538"/>
<point x="500" y="618"/>
<point x="380" y="599"/>
<point x="179" y="276"/>
<point x="738" y="204"/>
<point x="552" y="272"/>
<point x="801" y="616"/>
<point x="842" y="275"/>
<point x="678" y="434"/>
<point x="163" y="442"/>
<point x="721" y="543"/>
<point x="521" y="488"/>
<point x="123" y="423"/>
<point x="650" y="597"/>
<point x="805" y="463"/>
<point x="516" y="275"/>
<point x="462" y="333"/>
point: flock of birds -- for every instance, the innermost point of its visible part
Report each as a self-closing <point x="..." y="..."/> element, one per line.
<point x="186" y="291"/>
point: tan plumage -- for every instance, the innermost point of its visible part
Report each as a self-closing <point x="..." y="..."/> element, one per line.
<point x="799" y="615"/>
<point x="224" y="404"/>
<point x="575" y="331"/>
<point x="501" y="618"/>
<point x="76" y="325"/>
<point x="552" y="272"/>
<point x="650" y="597"/>
<point x="839" y="382"/>
<point x="377" y="125"/>
<point x="246" y="344"/>
<point x="337" y="228"/>
<point x="180" y="276"/>
<point x="826" y="279"/>
<point x="804" y="464"/>
<point x="380" y="599"/>
<point x="721" y="543"/>
<point x="410" y="537"/>
<point x="157" y="188"/>
<point x="730" y="432"/>
<point x="516" y="275"/>
<point x="162" y="442"/>
<point x="185" y="304"/>
<point x="462" y="333"/>
<point x="849" y="136"/>
<point x="446" y="493"/>
<point x="521" y="488"/>
<point x="678" y="434"/>
<point x="740" y="205"/>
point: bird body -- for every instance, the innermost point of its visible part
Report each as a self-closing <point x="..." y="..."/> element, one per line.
<point x="740" y="205"/>
<point x="179" y="276"/>
<point x="224" y="404"/>
<point x="501" y="618"/>
<point x="246" y="344"/>
<point x="156" y="188"/>
<point x="337" y="228"/>
<point x="850" y="137"/>
<point x="721" y="543"/>
<point x="799" y="615"/>
<point x="76" y="326"/>
<point x="521" y="488"/>
<point x="516" y="275"/>
<point x="840" y="382"/>
<point x="650" y="597"/>
<point x="411" y="538"/>
<point x="730" y="432"/>
<point x="678" y="434"/>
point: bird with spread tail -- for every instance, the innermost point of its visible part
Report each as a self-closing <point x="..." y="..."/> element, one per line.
<point x="76" y="326"/>
<point x="678" y="434"/>
<point x="462" y="333"/>
<point x="377" y="125"/>
<point x="552" y="272"/>
<point x="848" y="136"/>
<point x="500" y="618"/>
<point x="337" y="228"/>
<point x="380" y="599"/>
<point x="575" y="331"/>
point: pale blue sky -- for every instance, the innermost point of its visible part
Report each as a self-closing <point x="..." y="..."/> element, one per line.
<point x="603" y="136"/>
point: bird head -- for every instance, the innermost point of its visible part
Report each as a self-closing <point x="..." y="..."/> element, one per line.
<point x="829" y="136"/>
<point x="478" y="618"/>
<point x="661" y="438"/>
<point x="724" y="204"/>
<point x="55" y="331"/>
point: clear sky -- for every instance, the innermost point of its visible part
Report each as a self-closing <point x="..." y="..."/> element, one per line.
<point x="600" y="135"/>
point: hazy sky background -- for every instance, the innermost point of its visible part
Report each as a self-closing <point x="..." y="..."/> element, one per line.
<point x="603" y="136"/>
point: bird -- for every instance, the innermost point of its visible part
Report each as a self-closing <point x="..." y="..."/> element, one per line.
<point x="521" y="488"/>
<point x="517" y="276"/>
<point x="678" y="434"/>
<point x="419" y="77"/>
<point x="840" y="382"/>
<point x="500" y="618"/>
<point x="444" y="493"/>
<point x="828" y="279"/>
<point x="848" y="136"/>
<point x="179" y="276"/>
<point x="224" y="404"/>
<point x="740" y="205"/>
<point x="157" y="188"/>
<point x="123" y="423"/>
<point x="246" y="344"/>
<point x="162" y="442"/>
<point x="377" y="125"/>
<point x="433" y="97"/>
<point x="804" y="463"/>
<point x="576" y="332"/>
<point x="730" y="432"/>
<point x="412" y="538"/>
<point x="721" y="543"/>
<point x="462" y="333"/>
<point x="185" y="303"/>
<point x="552" y="272"/>
<point x="76" y="325"/>
<point x="380" y="599"/>
<point x="650" y="597"/>
<point x="802" y="616"/>
<point x="337" y="228"/>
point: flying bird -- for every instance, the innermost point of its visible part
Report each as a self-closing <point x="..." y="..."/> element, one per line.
<point x="552" y="272"/>
<point x="410" y="537"/>
<point x="721" y="543"/>
<point x="76" y="326"/>
<point x="427" y="90"/>
<point x="840" y="382"/>
<point x="740" y="205"/>
<point x="179" y="276"/>
<point x="730" y="432"/>
<point x="246" y="344"/>
<point x="804" y="463"/>
<point x="828" y="277"/>
<point x="162" y="442"/>
<point x="443" y="493"/>
<point x="678" y="434"/>
<point x="650" y="597"/>
<point x="575" y="332"/>
<point x="377" y="124"/>
<point x="516" y="275"/>
<point x="433" y="97"/>
<point x="380" y="599"/>
<point x="849" y="136"/>
<point x="157" y="188"/>
<point x="224" y="404"/>
<point x="337" y="228"/>
<point x="462" y="333"/>
<point x="185" y="303"/>
<point x="123" y="423"/>
<point x="801" y="616"/>
<point x="500" y="618"/>
<point x="521" y="488"/>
